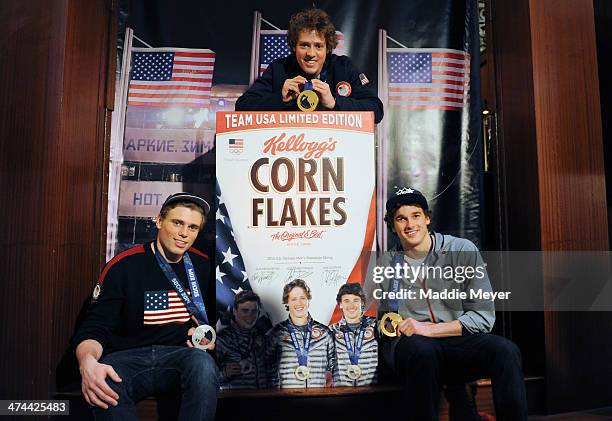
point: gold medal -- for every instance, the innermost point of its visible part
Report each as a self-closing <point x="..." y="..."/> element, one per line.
<point x="353" y="372"/>
<point x="302" y="372"/>
<point x="392" y="319"/>
<point x="200" y="334"/>
<point x="307" y="101"/>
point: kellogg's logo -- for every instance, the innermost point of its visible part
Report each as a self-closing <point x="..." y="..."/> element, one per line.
<point x="297" y="144"/>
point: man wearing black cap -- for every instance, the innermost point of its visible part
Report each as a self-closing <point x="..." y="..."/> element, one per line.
<point x="443" y="340"/>
<point x="134" y="341"/>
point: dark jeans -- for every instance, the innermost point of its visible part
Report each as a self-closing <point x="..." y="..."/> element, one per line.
<point x="425" y="364"/>
<point x="189" y="374"/>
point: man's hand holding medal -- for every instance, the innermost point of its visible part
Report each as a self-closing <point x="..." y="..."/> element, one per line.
<point x="202" y="337"/>
<point x="392" y="325"/>
<point x="309" y="93"/>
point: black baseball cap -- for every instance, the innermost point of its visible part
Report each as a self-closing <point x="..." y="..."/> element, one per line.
<point x="406" y="196"/>
<point x="188" y="197"/>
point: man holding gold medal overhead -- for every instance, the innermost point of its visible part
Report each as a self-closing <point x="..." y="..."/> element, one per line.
<point x="146" y="330"/>
<point x="436" y="328"/>
<point x="311" y="78"/>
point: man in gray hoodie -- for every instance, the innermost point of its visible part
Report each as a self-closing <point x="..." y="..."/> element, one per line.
<point x="438" y="284"/>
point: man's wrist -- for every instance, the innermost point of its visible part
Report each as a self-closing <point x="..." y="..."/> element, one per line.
<point x="445" y="329"/>
<point x="87" y="360"/>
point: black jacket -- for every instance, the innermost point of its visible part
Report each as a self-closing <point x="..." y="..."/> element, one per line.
<point x="265" y="93"/>
<point x="116" y="318"/>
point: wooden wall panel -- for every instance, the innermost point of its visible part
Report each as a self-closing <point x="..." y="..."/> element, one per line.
<point x="30" y="97"/>
<point x="84" y="116"/>
<point x="52" y="131"/>
<point x="514" y="163"/>
<point x="516" y="153"/>
<point x="571" y="179"/>
<point x="551" y="178"/>
<point x="568" y="120"/>
<point x="603" y="29"/>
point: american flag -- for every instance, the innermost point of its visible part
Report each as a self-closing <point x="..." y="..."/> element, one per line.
<point x="231" y="276"/>
<point x="236" y="145"/>
<point x="169" y="77"/>
<point x="273" y="45"/>
<point x="163" y="307"/>
<point x="428" y="79"/>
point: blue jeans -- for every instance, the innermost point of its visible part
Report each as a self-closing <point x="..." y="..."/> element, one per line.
<point x="189" y="374"/>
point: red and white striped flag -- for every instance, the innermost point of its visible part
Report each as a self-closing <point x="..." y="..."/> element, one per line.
<point x="428" y="78"/>
<point x="165" y="77"/>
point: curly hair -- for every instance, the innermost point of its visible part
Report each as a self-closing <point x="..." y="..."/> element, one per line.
<point x="296" y="283"/>
<point x="312" y="19"/>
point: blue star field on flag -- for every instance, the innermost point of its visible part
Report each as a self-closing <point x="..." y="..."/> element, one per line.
<point x="410" y="67"/>
<point x="231" y="276"/>
<point x="152" y="66"/>
<point x="273" y="46"/>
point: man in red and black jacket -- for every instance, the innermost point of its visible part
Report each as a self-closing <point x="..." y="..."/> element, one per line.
<point x="134" y="340"/>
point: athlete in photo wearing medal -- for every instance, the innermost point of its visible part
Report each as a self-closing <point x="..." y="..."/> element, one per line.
<point x="240" y="346"/>
<point x="355" y="337"/>
<point x="136" y="338"/>
<point x="300" y="350"/>
<point x="443" y="341"/>
<point x="335" y="80"/>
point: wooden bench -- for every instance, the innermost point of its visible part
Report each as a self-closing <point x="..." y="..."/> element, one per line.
<point x="319" y="404"/>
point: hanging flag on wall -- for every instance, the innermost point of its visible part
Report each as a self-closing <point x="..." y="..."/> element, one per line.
<point x="436" y="79"/>
<point x="430" y="138"/>
<point x="171" y="77"/>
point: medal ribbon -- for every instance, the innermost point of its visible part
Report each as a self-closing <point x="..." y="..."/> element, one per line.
<point x="196" y="306"/>
<point x="302" y="353"/>
<point x="398" y="259"/>
<point x="394" y="303"/>
<point x="308" y="85"/>
<point x="355" y="352"/>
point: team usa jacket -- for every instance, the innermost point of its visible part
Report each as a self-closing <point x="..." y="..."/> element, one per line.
<point x="265" y="93"/>
<point x="246" y="347"/>
<point x="368" y="358"/>
<point x="283" y="361"/>
<point x="134" y="304"/>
